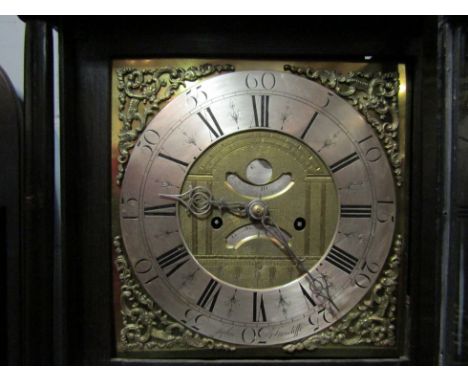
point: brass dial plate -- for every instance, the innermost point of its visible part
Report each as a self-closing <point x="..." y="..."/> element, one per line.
<point x="296" y="185"/>
<point x="261" y="100"/>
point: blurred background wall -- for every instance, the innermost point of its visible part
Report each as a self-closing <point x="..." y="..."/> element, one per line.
<point x="12" y="50"/>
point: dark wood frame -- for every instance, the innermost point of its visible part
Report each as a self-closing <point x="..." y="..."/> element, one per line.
<point x="29" y="252"/>
<point x="11" y="126"/>
<point x="82" y="312"/>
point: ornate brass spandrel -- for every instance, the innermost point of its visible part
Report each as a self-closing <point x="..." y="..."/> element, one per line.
<point x="372" y="321"/>
<point x="141" y="95"/>
<point x="374" y="95"/>
<point x="145" y="325"/>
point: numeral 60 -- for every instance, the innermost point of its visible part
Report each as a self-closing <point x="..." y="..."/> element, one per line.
<point x="265" y="81"/>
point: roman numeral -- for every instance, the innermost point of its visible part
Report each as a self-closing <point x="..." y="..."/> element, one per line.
<point x="161" y="210"/>
<point x="264" y="106"/>
<point x="356" y="211"/>
<point x="309" y="124"/>
<point x="346" y="161"/>
<point x="259" y="313"/>
<point x="307" y="295"/>
<point x="365" y="139"/>
<point x="210" y="295"/>
<point x="214" y="121"/>
<point x="172" y="260"/>
<point x="341" y="259"/>
<point x="175" y="160"/>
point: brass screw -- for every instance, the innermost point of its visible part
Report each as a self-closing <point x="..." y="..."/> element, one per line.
<point x="258" y="210"/>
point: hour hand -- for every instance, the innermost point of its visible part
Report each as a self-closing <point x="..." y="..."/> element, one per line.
<point x="200" y="202"/>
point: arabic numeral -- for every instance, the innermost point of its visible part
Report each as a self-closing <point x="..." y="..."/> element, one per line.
<point x="196" y="96"/>
<point x="322" y="316"/>
<point x="385" y="211"/>
<point x="193" y="319"/>
<point x="129" y="208"/>
<point x="150" y="138"/>
<point x="143" y="265"/>
<point x="373" y="154"/>
<point x="249" y="335"/>
<point x="265" y="81"/>
<point x="256" y="335"/>
<point x="370" y="267"/>
<point x="326" y="315"/>
<point x="363" y="280"/>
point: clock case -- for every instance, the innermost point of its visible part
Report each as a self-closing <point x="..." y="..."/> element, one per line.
<point x="66" y="312"/>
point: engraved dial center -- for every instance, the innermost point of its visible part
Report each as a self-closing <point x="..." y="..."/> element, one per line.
<point x="275" y="175"/>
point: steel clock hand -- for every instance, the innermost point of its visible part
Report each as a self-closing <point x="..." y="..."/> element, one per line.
<point x="274" y="232"/>
<point x="199" y="201"/>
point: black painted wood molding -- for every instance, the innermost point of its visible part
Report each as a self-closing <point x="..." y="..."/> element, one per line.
<point x="11" y="125"/>
<point x="75" y="325"/>
<point x="37" y="191"/>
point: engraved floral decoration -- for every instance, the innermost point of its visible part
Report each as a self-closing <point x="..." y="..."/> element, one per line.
<point x="374" y="95"/>
<point x="145" y="325"/>
<point x="141" y="94"/>
<point x="372" y="321"/>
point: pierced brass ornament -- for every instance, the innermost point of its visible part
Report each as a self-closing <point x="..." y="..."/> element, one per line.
<point x="141" y="93"/>
<point x="374" y="95"/>
<point x="145" y="325"/>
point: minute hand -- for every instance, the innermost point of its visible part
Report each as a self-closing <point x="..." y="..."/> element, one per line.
<point x="272" y="230"/>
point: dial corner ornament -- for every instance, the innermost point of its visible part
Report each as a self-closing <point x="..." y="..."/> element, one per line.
<point x="258" y="208"/>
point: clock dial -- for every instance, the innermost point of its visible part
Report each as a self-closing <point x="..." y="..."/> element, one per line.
<point x="257" y="208"/>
